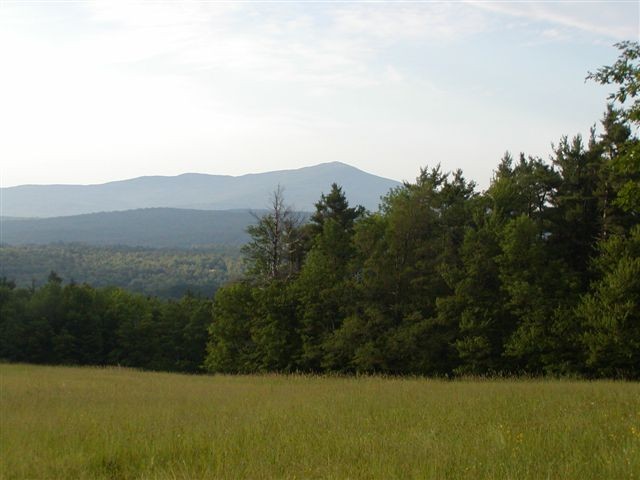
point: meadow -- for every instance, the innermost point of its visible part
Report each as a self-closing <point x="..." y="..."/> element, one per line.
<point x="60" y="422"/>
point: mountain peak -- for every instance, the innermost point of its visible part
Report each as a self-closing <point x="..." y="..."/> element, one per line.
<point x="303" y="187"/>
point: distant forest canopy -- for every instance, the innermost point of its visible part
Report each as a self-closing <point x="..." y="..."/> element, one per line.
<point x="149" y="227"/>
<point x="539" y="274"/>
<point x="168" y="273"/>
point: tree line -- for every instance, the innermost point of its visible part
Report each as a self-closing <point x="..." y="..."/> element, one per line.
<point x="77" y="324"/>
<point x="539" y="274"/>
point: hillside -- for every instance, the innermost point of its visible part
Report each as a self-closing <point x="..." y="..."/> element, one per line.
<point x="168" y="273"/>
<point x="303" y="188"/>
<point x="152" y="227"/>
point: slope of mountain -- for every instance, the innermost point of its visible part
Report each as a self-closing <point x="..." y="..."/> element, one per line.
<point x="302" y="188"/>
<point x="154" y="227"/>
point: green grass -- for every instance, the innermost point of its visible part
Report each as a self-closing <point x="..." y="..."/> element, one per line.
<point x="117" y="423"/>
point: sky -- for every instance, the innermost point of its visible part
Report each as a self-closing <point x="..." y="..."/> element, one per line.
<point x="96" y="91"/>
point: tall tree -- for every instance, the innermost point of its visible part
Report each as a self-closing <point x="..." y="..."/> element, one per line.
<point x="536" y="285"/>
<point x="273" y="250"/>
<point x="324" y="287"/>
<point x="611" y="312"/>
<point x="478" y="302"/>
<point x="625" y="74"/>
<point x="577" y="218"/>
<point x="231" y="347"/>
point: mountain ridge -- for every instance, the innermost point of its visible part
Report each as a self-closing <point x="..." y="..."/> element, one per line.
<point x="199" y="174"/>
<point x="302" y="188"/>
<point x="144" y="227"/>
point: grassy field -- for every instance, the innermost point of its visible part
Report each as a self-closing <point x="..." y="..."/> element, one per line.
<point x="116" y="423"/>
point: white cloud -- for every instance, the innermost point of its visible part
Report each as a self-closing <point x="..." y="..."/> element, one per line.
<point x="439" y="22"/>
<point x="321" y="46"/>
<point x="120" y="88"/>
<point x="618" y="20"/>
<point x="197" y="37"/>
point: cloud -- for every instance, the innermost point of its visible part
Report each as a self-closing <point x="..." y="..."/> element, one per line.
<point x="435" y="22"/>
<point x="264" y="43"/>
<point x="618" y="20"/>
<point x="129" y="82"/>
<point x="322" y="47"/>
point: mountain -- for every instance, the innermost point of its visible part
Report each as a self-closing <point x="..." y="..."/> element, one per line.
<point x="302" y="188"/>
<point x="153" y="227"/>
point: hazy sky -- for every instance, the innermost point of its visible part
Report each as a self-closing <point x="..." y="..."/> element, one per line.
<point x="98" y="91"/>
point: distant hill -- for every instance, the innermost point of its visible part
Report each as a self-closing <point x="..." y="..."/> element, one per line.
<point x="152" y="227"/>
<point x="302" y="188"/>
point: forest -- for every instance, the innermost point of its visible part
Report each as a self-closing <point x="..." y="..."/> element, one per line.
<point x="77" y="324"/>
<point x="166" y="273"/>
<point x="537" y="275"/>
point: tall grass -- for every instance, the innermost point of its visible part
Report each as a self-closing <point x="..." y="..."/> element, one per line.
<point x="117" y="423"/>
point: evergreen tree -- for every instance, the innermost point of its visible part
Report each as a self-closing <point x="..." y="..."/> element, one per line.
<point x="325" y="286"/>
<point x="537" y="287"/>
<point x="611" y="312"/>
<point x="479" y="301"/>
<point x="231" y="346"/>
<point x="577" y="212"/>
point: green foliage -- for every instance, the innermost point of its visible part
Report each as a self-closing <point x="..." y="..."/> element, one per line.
<point x="611" y="313"/>
<point x="144" y="227"/>
<point x="231" y="347"/>
<point x="335" y="207"/>
<point x="537" y="287"/>
<point x="537" y="275"/>
<point x="444" y="279"/>
<point x="625" y="73"/>
<point x="274" y="328"/>
<point x="325" y="285"/>
<point x="577" y="217"/>
<point x="160" y="272"/>
<point x="253" y="329"/>
<point x="479" y="303"/>
<point x="78" y="324"/>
